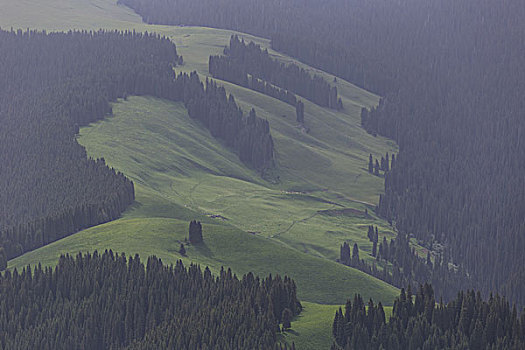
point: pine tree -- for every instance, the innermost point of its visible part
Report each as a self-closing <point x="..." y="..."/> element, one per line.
<point x="370" y="164"/>
<point x="286" y="318"/>
<point x="355" y="254"/>
<point x="299" y="111"/>
<point x="345" y="253"/>
<point x="3" y="259"/>
<point x="182" y="250"/>
<point x="195" y="232"/>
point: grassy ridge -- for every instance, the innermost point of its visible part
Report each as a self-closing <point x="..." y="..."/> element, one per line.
<point x="317" y="279"/>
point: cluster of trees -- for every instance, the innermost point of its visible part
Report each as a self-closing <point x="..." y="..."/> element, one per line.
<point x="208" y="103"/>
<point x="467" y="322"/>
<point x="398" y="263"/>
<point x="195" y="232"/>
<point x="385" y="165"/>
<point x="224" y="68"/>
<point x="250" y="66"/>
<point x="108" y="301"/>
<point x="54" y="83"/>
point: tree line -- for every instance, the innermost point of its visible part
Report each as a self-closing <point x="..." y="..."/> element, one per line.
<point x="109" y="301"/>
<point x="53" y="84"/>
<point x="466" y="322"/>
<point x="398" y="263"/>
<point x="248" y="135"/>
<point x="250" y="66"/>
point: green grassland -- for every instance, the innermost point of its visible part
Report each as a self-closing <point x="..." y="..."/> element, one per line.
<point x="293" y="224"/>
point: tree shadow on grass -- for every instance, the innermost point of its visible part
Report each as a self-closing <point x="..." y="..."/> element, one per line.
<point x="203" y="249"/>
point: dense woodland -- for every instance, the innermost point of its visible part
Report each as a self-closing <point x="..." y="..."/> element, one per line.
<point x="250" y="66"/>
<point x="398" y="263"/>
<point x="248" y="134"/>
<point x="451" y="76"/>
<point x="466" y="322"/>
<point x="108" y="301"/>
<point x="54" y="83"/>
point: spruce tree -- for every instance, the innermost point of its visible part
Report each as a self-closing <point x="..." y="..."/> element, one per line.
<point x="3" y="259"/>
<point x="355" y="254"/>
<point x="299" y="111"/>
<point x="286" y="318"/>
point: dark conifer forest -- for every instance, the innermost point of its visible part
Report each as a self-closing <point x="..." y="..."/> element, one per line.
<point x="452" y="80"/>
<point x="397" y="263"/>
<point x="108" y="301"/>
<point x="250" y="66"/>
<point x="466" y="322"/>
<point x="54" y="83"/>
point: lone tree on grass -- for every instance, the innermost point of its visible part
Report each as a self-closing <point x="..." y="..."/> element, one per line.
<point x="182" y="250"/>
<point x="195" y="234"/>
<point x="299" y="111"/>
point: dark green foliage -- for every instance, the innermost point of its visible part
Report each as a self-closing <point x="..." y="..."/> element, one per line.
<point x="384" y="166"/>
<point x="248" y="135"/>
<point x="250" y="66"/>
<point x="345" y="253"/>
<point x="406" y="266"/>
<point x="299" y="111"/>
<point x="3" y="259"/>
<point x="286" y="319"/>
<point x="110" y="302"/>
<point x="195" y="232"/>
<point x="371" y="164"/>
<point x="182" y="250"/>
<point x="467" y="322"/>
<point x="355" y="253"/>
